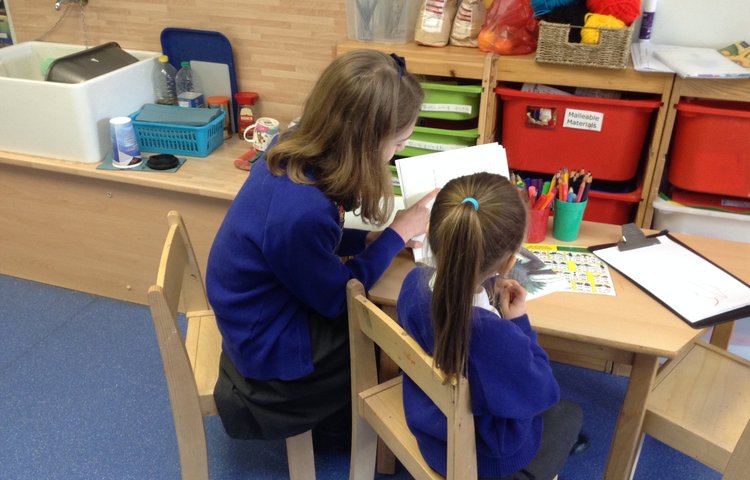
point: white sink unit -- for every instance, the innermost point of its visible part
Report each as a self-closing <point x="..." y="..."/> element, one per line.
<point x="63" y="120"/>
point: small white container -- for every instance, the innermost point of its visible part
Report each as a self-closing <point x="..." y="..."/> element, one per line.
<point x="698" y="221"/>
<point x="386" y="21"/>
<point x="125" y="151"/>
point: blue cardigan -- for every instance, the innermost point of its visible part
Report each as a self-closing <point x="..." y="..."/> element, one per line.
<point x="510" y="381"/>
<point x="274" y="261"/>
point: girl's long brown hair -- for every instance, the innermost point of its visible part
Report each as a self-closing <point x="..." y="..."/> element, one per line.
<point x="361" y="100"/>
<point x="468" y="245"/>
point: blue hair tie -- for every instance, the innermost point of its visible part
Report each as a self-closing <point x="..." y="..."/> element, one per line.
<point x="472" y="201"/>
<point x="400" y="64"/>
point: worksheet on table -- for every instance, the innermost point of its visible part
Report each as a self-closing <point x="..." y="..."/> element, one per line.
<point x="689" y="284"/>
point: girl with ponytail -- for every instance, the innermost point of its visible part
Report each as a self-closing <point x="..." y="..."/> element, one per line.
<point x="473" y="322"/>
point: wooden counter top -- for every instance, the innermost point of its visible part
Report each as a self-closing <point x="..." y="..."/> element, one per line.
<point x="214" y="176"/>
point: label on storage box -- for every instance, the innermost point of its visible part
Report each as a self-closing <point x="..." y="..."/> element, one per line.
<point x="583" y="119"/>
<point x="446" y="107"/>
<point x="437" y="147"/>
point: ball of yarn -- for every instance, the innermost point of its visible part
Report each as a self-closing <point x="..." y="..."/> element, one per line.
<point x="626" y="10"/>
<point x="545" y="6"/>
<point x="590" y="31"/>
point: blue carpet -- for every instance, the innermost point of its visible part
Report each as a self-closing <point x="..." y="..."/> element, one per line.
<point x="84" y="397"/>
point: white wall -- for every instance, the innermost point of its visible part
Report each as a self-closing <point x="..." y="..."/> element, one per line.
<point x="700" y="23"/>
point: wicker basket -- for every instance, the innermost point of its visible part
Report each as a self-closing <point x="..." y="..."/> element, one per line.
<point x="612" y="51"/>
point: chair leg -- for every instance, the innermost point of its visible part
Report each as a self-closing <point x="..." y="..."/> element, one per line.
<point x="299" y="455"/>
<point x="364" y="450"/>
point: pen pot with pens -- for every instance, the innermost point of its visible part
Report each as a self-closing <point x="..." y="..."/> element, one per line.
<point x="566" y="194"/>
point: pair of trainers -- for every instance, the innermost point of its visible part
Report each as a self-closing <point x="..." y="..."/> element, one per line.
<point x="581" y="445"/>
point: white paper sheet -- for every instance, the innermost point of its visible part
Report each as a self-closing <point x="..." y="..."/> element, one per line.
<point x="686" y="282"/>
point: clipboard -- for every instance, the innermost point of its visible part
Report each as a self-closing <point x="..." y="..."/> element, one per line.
<point x="694" y="288"/>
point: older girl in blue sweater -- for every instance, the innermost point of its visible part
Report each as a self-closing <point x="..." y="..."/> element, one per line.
<point x="275" y="276"/>
<point x="523" y="430"/>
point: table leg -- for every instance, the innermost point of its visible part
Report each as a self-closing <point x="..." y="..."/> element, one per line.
<point x="626" y="438"/>
<point x="722" y="334"/>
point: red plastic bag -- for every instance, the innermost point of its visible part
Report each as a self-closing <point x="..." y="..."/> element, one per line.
<point x="510" y="28"/>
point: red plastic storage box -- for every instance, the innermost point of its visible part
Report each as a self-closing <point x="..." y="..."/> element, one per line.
<point x="711" y="148"/>
<point x="614" y="208"/>
<point x="605" y="136"/>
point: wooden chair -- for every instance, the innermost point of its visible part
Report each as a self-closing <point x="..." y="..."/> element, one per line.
<point x="377" y="408"/>
<point x="192" y="367"/>
<point x="700" y="405"/>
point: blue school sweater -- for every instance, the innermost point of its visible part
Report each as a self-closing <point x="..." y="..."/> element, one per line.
<point x="510" y="381"/>
<point x="274" y="261"/>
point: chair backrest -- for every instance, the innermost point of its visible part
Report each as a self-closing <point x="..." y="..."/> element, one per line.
<point x="191" y="367"/>
<point x="370" y="326"/>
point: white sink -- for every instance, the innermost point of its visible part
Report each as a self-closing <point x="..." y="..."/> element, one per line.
<point x="62" y="120"/>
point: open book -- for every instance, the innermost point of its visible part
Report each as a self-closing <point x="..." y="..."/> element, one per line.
<point x="421" y="174"/>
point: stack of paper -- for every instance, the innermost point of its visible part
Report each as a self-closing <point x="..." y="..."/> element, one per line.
<point x="697" y="62"/>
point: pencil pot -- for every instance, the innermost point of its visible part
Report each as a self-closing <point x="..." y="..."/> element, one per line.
<point x="537" y="225"/>
<point x="567" y="220"/>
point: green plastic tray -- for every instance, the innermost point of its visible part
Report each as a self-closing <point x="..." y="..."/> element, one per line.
<point x="450" y="102"/>
<point x="430" y="140"/>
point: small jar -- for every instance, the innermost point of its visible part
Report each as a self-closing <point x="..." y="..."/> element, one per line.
<point x="245" y="117"/>
<point x="222" y="103"/>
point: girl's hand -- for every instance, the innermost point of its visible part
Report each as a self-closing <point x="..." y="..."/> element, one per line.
<point x="512" y="298"/>
<point x="413" y="221"/>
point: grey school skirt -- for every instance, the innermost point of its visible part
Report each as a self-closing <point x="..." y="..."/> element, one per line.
<point x="276" y="409"/>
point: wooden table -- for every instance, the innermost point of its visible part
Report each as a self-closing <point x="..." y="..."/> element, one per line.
<point x="630" y="328"/>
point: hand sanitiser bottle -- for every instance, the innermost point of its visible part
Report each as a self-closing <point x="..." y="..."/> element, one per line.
<point x="188" y="93"/>
<point x="164" y="82"/>
<point x="647" y="20"/>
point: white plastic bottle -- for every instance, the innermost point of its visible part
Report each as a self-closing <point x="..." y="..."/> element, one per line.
<point x="164" y="82"/>
<point x="188" y="93"/>
<point x="647" y="20"/>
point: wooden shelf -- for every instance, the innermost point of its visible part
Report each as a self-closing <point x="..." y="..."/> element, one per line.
<point x="455" y="62"/>
<point x="524" y="68"/>
<point x="714" y="89"/>
<point x="490" y="69"/>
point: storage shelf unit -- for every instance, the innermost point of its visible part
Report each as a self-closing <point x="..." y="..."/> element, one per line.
<point x="737" y="90"/>
<point x="524" y="68"/>
<point x="447" y="62"/>
<point x="471" y="63"/>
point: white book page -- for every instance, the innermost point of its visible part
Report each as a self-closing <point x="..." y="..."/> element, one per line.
<point x="421" y="174"/>
<point x="691" y="285"/>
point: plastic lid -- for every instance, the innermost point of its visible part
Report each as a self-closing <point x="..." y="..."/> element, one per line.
<point x="246" y="98"/>
<point x="185" y="64"/>
<point x="163" y="58"/>
<point x="217" y="100"/>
